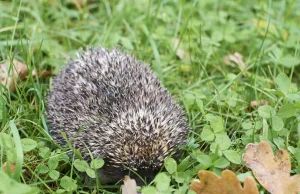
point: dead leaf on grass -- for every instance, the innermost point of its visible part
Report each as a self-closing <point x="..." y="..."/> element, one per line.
<point x="180" y="52"/>
<point x="256" y="104"/>
<point x="129" y="186"/>
<point x="41" y="74"/>
<point x="273" y="173"/>
<point x="182" y="55"/>
<point x="18" y="71"/>
<point x="11" y="165"/>
<point x="210" y="183"/>
<point x="237" y="58"/>
<point x="79" y="4"/>
<point x="8" y="75"/>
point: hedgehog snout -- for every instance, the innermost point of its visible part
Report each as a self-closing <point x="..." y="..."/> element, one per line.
<point x="147" y="176"/>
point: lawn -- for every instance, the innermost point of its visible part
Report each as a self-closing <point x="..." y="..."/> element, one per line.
<point x="232" y="66"/>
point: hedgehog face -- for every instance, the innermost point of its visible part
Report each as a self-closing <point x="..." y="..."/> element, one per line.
<point x="109" y="174"/>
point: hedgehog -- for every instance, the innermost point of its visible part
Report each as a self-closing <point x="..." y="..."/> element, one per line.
<point x="109" y="105"/>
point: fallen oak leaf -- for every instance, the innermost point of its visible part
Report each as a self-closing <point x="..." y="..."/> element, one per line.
<point x="256" y="104"/>
<point x="179" y="52"/>
<point x="12" y="167"/>
<point x="79" y="4"/>
<point x="237" y="58"/>
<point x="18" y="71"/>
<point x="273" y="173"/>
<point x="41" y="74"/>
<point x="182" y="55"/>
<point x="8" y="74"/>
<point x="210" y="183"/>
<point x="129" y="186"/>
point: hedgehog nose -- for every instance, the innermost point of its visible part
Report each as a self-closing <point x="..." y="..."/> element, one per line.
<point x="139" y="182"/>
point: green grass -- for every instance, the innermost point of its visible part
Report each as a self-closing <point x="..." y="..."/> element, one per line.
<point x="216" y="96"/>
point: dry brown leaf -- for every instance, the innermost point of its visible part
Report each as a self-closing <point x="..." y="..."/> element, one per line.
<point x="180" y="53"/>
<point x="210" y="183"/>
<point x="79" y="4"/>
<point x="41" y="74"/>
<point x="273" y="173"/>
<point x="129" y="186"/>
<point x="11" y="165"/>
<point x="8" y="76"/>
<point x="237" y="58"/>
<point x="255" y="103"/>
